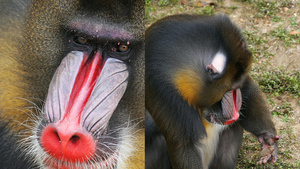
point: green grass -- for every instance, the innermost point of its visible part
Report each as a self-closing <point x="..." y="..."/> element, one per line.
<point x="278" y="82"/>
<point x="258" y="45"/>
<point x="169" y="7"/>
<point x="283" y="110"/>
<point x="282" y="34"/>
<point x="267" y="9"/>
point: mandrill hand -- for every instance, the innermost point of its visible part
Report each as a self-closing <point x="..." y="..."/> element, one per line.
<point x="269" y="147"/>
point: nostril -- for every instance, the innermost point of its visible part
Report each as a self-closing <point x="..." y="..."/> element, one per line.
<point x="56" y="135"/>
<point x="74" y="139"/>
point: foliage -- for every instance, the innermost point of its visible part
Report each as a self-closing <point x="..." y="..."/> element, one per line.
<point x="278" y="81"/>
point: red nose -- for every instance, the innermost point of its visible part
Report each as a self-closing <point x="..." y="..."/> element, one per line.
<point x="67" y="145"/>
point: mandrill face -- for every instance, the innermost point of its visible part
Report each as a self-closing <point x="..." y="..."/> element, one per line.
<point x="86" y="59"/>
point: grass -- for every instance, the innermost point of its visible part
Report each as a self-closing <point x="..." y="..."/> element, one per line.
<point x="282" y="34"/>
<point x="258" y="45"/>
<point x="278" y="82"/>
<point x="155" y="10"/>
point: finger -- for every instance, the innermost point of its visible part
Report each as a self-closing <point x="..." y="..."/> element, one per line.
<point x="274" y="159"/>
<point x="274" y="154"/>
<point x="259" y="162"/>
<point x="266" y="158"/>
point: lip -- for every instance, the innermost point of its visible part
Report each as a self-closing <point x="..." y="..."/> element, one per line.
<point x="93" y="163"/>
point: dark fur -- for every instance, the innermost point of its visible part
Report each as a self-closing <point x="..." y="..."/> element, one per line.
<point x="179" y="41"/>
<point x="10" y="156"/>
<point x="158" y="151"/>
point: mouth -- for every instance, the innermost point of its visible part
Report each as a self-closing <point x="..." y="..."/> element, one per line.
<point x="235" y="113"/>
<point x="227" y="110"/>
<point x="92" y="163"/>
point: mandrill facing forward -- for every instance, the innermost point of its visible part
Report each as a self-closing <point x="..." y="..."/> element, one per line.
<point x="72" y="84"/>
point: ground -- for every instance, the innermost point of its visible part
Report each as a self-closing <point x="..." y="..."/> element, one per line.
<point x="272" y="30"/>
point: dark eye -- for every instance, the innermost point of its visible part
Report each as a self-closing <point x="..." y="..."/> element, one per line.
<point x="80" y="40"/>
<point x="120" y="47"/>
<point x="119" y="50"/>
<point x="123" y="48"/>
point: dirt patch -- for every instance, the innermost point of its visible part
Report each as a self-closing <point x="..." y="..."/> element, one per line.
<point x="288" y="129"/>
